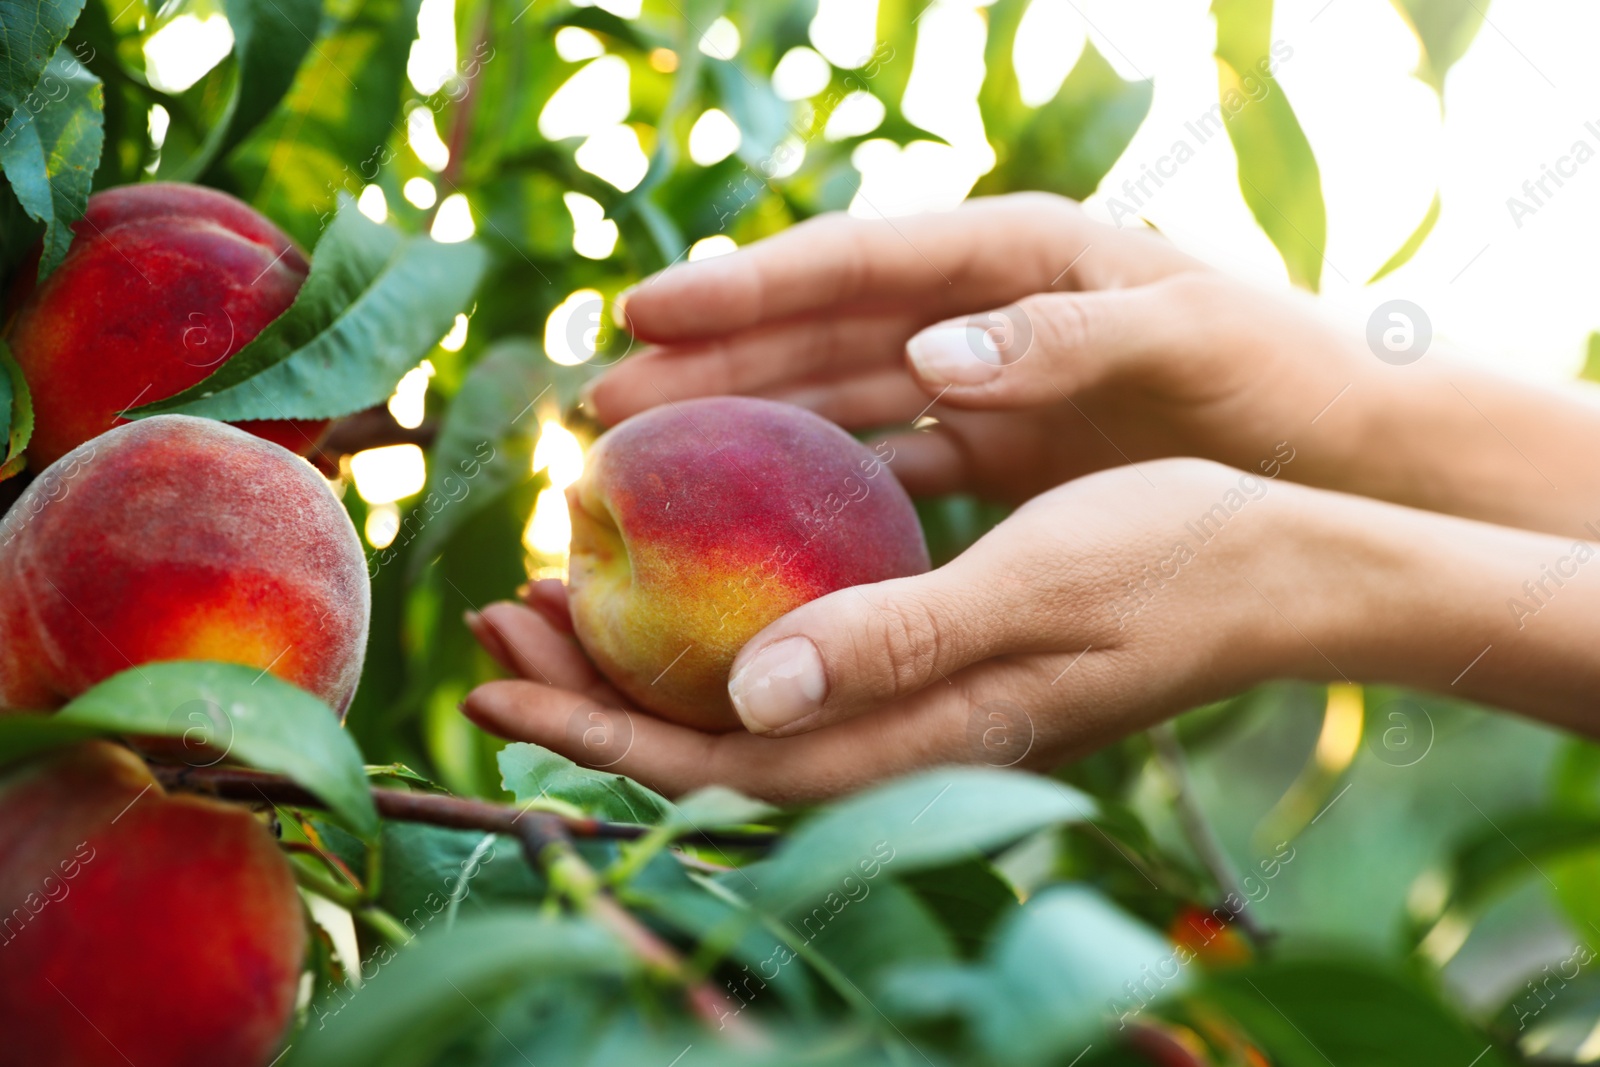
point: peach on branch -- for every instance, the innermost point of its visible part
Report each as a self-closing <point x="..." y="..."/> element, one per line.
<point x="138" y="927"/>
<point x="163" y="283"/>
<point x="179" y="538"/>
<point x="696" y="524"/>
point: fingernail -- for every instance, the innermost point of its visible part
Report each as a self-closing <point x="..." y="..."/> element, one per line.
<point x="471" y="618"/>
<point x="781" y="683"/>
<point x="523" y="590"/>
<point x="949" y="355"/>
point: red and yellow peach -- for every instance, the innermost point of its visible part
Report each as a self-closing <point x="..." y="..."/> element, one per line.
<point x="164" y="282"/>
<point x="696" y="524"/>
<point x="179" y="538"/>
<point x="138" y="927"/>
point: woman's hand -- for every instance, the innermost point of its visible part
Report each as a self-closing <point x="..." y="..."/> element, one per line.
<point x="1076" y="621"/>
<point x="1048" y="346"/>
<point x="1098" y="608"/>
<point x="820" y="316"/>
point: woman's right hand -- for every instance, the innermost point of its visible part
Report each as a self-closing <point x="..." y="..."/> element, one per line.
<point x="1104" y="346"/>
<point x="1111" y="347"/>
<point x="1095" y="610"/>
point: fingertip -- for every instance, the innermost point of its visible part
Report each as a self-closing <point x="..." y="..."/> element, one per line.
<point x="619" y="308"/>
<point x="510" y="707"/>
<point x="550" y="598"/>
<point x="955" y="355"/>
<point x="779" y="685"/>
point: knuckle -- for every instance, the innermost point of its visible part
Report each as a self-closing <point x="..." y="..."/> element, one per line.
<point x="910" y="637"/>
<point x="1196" y="291"/>
<point x="1060" y="322"/>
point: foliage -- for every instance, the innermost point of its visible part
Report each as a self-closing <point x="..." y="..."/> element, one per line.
<point x="959" y="916"/>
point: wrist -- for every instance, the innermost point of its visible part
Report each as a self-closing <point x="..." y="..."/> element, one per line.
<point x="1451" y="438"/>
<point x="1452" y="606"/>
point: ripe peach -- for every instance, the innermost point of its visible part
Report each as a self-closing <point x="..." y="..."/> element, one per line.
<point x="163" y="283"/>
<point x="698" y="523"/>
<point x="179" y="538"/>
<point x="137" y="927"/>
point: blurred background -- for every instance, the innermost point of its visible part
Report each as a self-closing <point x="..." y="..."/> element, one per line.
<point x="1437" y="151"/>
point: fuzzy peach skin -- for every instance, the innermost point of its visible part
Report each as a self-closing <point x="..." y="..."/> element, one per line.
<point x="137" y="927"/>
<point x="179" y="538"/>
<point x="697" y="524"/>
<point x="163" y="283"/>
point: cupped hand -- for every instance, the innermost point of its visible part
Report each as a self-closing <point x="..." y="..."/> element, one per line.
<point x="1072" y="623"/>
<point x="1045" y="344"/>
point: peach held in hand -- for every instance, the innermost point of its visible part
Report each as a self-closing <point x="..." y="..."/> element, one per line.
<point x="163" y="283"/>
<point x="137" y="927"/>
<point x="179" y="538"/>
<point x="698" y="523"/>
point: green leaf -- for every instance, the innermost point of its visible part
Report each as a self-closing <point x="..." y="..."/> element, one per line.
<point x="1067" y="145"/>
<point x="927" y="820"/>
<point x="1305" y="1013"/>
<point x="30" y="33"/>
<point x="871" y="928"/>
<point x="513" y="74"/>
<point x="6" y="392"/>
<point x="717" y="806"/>
<point x="1591" y="360"/>
<point x="50" y="149"/>
<point x="969" y="898"/>
<point x="720" y="920"/>
<point x="1000" y="96"/>
<point x="763" y="119"/>
<point x="533" y="773"/>
<point x="373" y="305"/>
<point x="1403" y="255"/>
<point x="1444" y="29"/>
<point x="331" y="134"/>
<point x="19" y="422"/>
<point x="426" y="996"/>
<point x="889" y="69"/>
<point x="1278" y="173"/>
<point x="433" y="875"/>
<point x="1488" y="862"/>
<point x="1060" y="966"/>
<point x="270" y="39"/>
<point x="219" y="710"/>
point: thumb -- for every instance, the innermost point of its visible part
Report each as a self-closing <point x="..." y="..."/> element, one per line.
<point x="858" y="648"/>
<point x="1048" y="346"/>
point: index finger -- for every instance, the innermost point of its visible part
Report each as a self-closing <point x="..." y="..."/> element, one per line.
<point x="987" y="252"/>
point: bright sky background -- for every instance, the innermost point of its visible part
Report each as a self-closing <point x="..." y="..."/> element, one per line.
<point x="1522" y="298"/>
